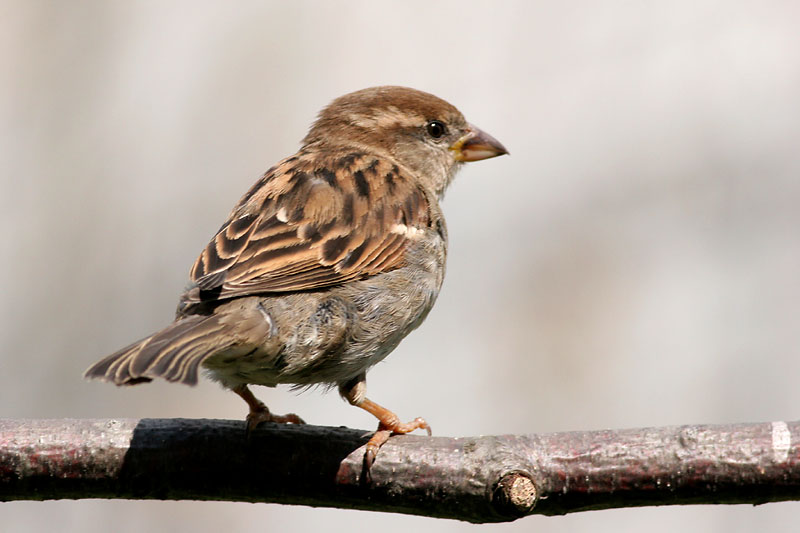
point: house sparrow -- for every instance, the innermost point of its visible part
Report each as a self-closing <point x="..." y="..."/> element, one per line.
<point x="328" y="261"/>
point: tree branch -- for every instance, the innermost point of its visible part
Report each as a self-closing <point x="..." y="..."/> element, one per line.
<point x="478" y="479"/>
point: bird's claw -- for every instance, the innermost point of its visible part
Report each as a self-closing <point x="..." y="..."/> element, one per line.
<point x="256" y="417"/>
<point x="382" y="435"/>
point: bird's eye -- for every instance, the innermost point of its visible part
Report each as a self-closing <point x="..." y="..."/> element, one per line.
<point x="436" y="129"/>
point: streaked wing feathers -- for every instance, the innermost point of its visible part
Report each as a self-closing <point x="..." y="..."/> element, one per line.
<point x="310" y="223"/>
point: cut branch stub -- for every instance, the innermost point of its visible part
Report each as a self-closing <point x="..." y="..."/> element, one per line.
<point x="515" y="495"/>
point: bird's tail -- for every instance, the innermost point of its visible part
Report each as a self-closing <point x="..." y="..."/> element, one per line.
<point x="174" y="353"/>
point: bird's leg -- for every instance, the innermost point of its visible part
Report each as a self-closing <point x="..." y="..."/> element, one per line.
<point x="260" y="413"/>
<point x="354" y="391"/>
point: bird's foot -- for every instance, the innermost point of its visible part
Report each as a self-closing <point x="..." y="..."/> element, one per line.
<point x="261" y="414"/>
<point x="388" y="426"/>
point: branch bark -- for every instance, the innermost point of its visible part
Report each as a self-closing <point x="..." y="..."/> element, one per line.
<point x="477" y="479"/>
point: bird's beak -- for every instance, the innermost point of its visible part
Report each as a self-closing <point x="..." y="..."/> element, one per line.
<point x="477" y="145"/>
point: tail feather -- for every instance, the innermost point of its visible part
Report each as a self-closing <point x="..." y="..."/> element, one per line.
<point x="179" y="361"/>
<point x="163" y="342"/>
<point x="107" y="368"/>
<point x="174" y="353"/>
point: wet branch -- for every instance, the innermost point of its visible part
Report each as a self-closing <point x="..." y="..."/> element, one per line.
<point x="477" y="479"/>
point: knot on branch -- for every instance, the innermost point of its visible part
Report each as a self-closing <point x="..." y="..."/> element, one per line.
<point x="515" y="495"/>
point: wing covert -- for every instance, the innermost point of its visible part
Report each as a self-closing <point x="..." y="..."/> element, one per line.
<point x="310" y="223"/>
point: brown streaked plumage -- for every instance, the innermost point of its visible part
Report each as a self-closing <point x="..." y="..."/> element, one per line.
<point x="325" y="264"/>
<point x="317" y="219"/>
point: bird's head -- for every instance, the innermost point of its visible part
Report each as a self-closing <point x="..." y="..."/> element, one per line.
<point x="424" y="133"/>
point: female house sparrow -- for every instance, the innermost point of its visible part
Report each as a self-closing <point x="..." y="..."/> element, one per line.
<point x="328" y="261"/>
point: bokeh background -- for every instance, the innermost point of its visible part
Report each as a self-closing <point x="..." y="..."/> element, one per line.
<point x="634" y="262"/>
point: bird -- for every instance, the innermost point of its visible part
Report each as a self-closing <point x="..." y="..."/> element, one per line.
<point x="325" y="264"/>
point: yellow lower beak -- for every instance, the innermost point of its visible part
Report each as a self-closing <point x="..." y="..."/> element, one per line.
<point x="477" y="145"/>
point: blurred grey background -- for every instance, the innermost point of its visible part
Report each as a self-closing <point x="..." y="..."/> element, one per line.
<point x="634" y="262"/>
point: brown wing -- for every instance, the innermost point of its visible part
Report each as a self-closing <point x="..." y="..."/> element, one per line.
<point x="312" y="222"/>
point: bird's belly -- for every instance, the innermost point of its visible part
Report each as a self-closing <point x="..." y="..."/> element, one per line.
<point x="333" y="335"/>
